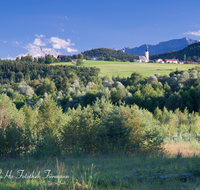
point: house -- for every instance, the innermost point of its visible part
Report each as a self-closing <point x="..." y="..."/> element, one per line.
<point x="61" y="57"/>
<point x="171" y="61"/>
<point x="159" y="61"/>
<point x="94" y="59"/>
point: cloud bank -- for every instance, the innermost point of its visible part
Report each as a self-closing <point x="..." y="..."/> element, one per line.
<point x="57" y="43"/>
<point x="193" y="33"/>
<point x="38" y="41"/>
<point x="62" y="44"/>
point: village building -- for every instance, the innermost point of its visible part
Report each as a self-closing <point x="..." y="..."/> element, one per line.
<point x="142" y="59"/>
<point x="159" y="61"/>
<point x="171" y="61"/>
<point x="145" y="58"/>
<point x="61" y="57"/>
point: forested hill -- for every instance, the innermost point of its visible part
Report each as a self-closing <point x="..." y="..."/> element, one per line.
<point x="106" y="53"/>
<point x="191" y="53"/>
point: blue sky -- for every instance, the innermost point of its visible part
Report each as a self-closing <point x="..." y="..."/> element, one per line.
<point x="75" y="26"/>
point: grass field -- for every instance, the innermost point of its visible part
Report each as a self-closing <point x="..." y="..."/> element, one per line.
<point x="125" y="69"/>
<point x="175" y="170"/>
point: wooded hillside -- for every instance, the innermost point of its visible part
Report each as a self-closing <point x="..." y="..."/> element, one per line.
<point x="190" y="53"/>
<point x="106" y="53"/>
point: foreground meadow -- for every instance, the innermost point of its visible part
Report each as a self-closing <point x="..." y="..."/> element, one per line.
<point x="173" y="170"/>
<point x="125" y="69"/>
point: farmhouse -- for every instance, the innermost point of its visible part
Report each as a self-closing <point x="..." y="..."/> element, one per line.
<point x="159" y="61"/>
<point x="144" y="58"/>
<point x="61" y="57"/>
<point x="171" y="61"/>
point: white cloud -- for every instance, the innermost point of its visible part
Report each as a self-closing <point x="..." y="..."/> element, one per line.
<point x="66" y="17"/>
<point x="30" y="46"/>
<point x="40" y="36"/>
<point x="193" y="33"/>
<point x="62" y="44"/>
<point x="16" y="42"/>
<point x="7" y="58"/>
<point x="56" y="42"/>
<point x="70" y="50"/>
<point x="4" y="41"/>
<point x="38" y="42"/>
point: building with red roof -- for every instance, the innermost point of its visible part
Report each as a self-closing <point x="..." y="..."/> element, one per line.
<point x="171" y="61"/>
<point x="61" y="57"/>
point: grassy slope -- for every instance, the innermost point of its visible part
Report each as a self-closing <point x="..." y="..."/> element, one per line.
<point x="125" y="69"/>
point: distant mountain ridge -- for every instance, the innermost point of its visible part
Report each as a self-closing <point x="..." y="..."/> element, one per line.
<point x="162" y="47"/>
<point x="39" y="52"/>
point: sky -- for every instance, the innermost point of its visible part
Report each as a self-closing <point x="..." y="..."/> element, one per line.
<point x="72" y="27"/>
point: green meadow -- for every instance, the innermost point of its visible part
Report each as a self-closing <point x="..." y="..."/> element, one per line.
<point x="125" y="69"/>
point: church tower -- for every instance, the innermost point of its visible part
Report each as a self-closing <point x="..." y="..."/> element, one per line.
<point x="147" y="53"/>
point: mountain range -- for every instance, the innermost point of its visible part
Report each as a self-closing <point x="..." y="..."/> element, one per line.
<point x="162" y="47"/>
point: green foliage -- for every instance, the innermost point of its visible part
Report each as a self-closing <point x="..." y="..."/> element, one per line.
<point x="117" y="131"/>
<point x="152" y="79"/>
<point x="80" y="131"/>
<point x="18" y="71"/>
<point x="47" y="86"/>
<point x="9" y="113"/>
<point x="14" y="141"/>
<point x="80" y="56"/>
<point x="105" y="128"/>
<point x="31" y="117"/>
<point x="191" y="52"/>
<point x="109" y="54"/>
<point x="50" y="117"/>
<point x="117" y="94"/>
<point x="49" y="59"/>
<point x="135" y="78"/>
<point x="89" y="98"/>
<point x="67" y="59"/>
<point x="45" y="146"/>
<point x="79" y="62"/>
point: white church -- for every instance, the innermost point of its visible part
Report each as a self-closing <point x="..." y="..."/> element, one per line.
<point x="145" y="58"/>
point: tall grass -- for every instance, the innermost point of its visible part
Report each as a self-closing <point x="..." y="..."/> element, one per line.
<point x="175" y="170"/>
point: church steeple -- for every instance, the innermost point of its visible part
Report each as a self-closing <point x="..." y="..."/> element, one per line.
<point x="146" y="47"/>
<point x="147" y="53"/>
